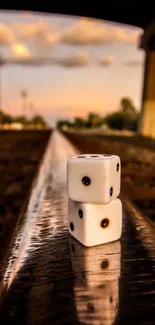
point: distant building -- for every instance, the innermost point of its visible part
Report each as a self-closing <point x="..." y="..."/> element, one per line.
<point x="65" y="127"/>
<point x="16" y="126"/>
<point x="6" y="126"/>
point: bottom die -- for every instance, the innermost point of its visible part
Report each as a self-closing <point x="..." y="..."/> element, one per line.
<point x="95" y="224"/>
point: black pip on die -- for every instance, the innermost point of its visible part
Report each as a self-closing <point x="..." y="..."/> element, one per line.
<point x="94" y="211"/>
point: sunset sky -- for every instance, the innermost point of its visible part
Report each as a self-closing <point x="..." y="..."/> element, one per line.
<point x="69" y="66"/>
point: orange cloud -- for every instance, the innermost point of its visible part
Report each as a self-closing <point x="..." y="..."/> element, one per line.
<point x="93" y="32"/>
<point x="79" y="59"/>
<point x="42" y="36"/>
<point x="106" y="60"/>
<point x="22" y="56"/>
<point x="27" y="61"/>
<point x="40" y="32"/>
<point x="121" y="35"/>
<point x="82" y="32"/>
<point x="6" y="35"/>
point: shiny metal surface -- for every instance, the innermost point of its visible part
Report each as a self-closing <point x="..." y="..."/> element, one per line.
<point x="50" y="278"/>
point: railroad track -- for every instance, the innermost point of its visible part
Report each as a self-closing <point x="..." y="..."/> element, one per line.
<point x="44" y="280"/>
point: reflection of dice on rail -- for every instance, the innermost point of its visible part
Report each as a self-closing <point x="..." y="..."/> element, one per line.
<point x="94" y="211"/>
<point x="96" y="285"/>
<point x="99" y="305"/>
<point x="93" y="266"/>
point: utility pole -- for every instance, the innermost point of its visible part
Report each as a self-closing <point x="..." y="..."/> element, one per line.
<point x="24" y="96"/>
<point x="0" y="86"/>
<point x="32" y="108"/>
<point x="1" y="64"/>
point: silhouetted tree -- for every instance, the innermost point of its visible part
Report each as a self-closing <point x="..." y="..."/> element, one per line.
<point x="94" y="120"/>
<point x="127" y="106"/>
<point x="38" y="119"/>
<point x="79" y="122"/>
<point x="122" y="121"/>
<point x="22" y="119"/>
<point x="5" y="118"/>
<point x="62" y="123"/>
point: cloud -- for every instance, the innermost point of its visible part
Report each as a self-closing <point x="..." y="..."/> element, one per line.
<point x="43" y="36"/>
<point x="120" y="35"/>
<point x="134" y="63"/>
<point x="84" y="32"/>
<point x="41" y="33"/>
<point x="106" y="60"/>
<point x="31" y="62"/>
<point x="6" y="35"/>
<point x="91" y="32"/>
<point x="23" y="57"/>
<point x="20" y="51"/>
<point x="79" y="59"/>
<point x="40" y="37"/>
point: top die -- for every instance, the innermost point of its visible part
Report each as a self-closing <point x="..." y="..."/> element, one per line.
<point x="94" y="178"/>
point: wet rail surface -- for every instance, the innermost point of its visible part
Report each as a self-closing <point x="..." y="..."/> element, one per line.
<point x="49" y="278"/>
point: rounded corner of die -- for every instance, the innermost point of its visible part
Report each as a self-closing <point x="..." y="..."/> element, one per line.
<point x="69" y="160"/>
<point x="120" y="203"/>
<point x="86" y="244"/>
<point x="118" y="157"/>
<point x="69" y="201"/>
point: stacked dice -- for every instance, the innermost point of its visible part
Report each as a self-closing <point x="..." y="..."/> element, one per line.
<point x="94" y="210"/>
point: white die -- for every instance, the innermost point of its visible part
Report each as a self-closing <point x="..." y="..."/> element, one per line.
<point x="93" y="266"/>
<point x="97" y="305"/>
<point x="95" y="224"/>
<point x="94" y="178"/>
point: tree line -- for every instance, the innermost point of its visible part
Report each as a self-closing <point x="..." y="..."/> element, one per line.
<point x="126" y="118"/>
<point x="35" y="120"/>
